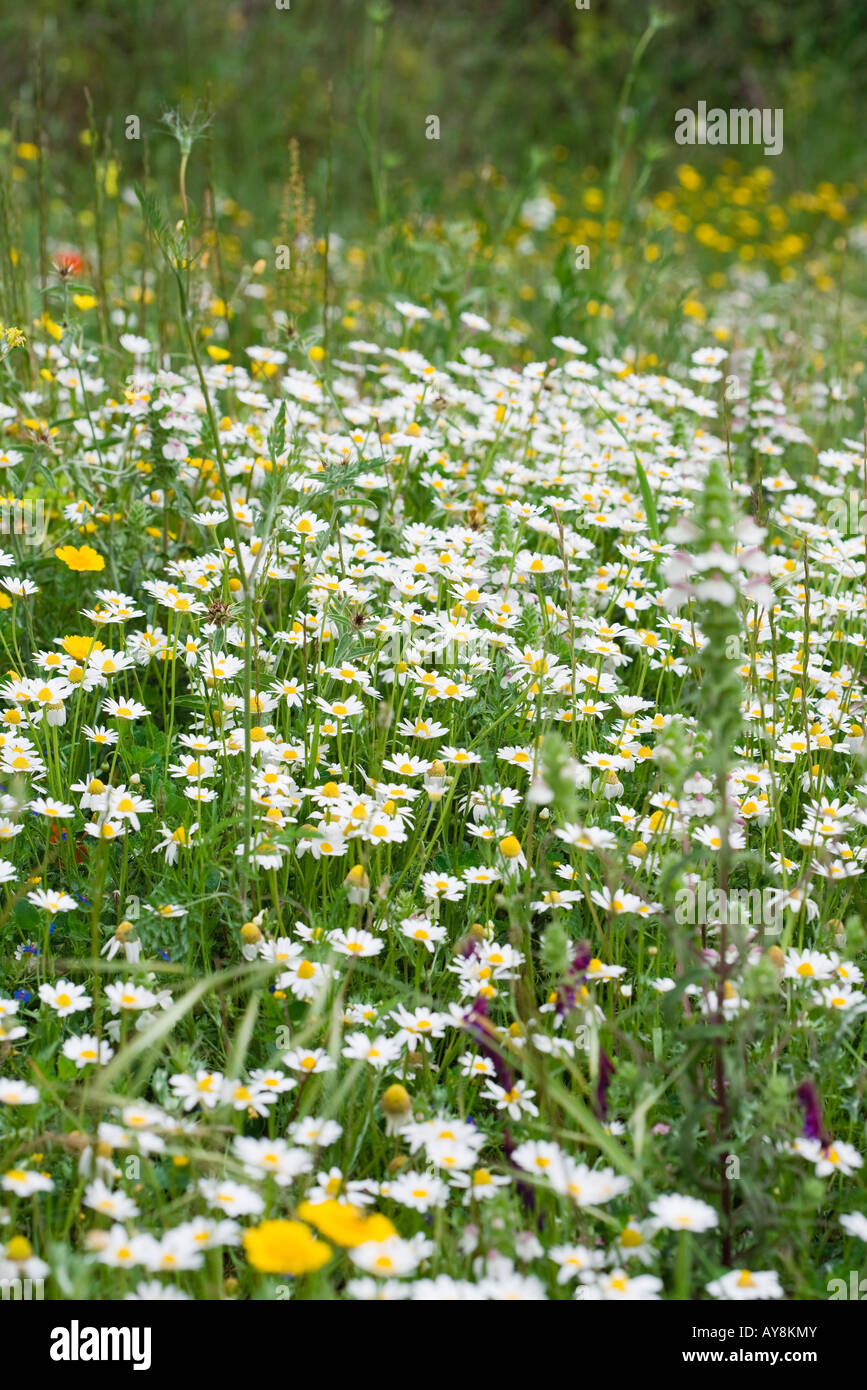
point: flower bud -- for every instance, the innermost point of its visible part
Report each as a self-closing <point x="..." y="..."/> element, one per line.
<point x="357" y="885"/>
<point x="396" y="1106"/>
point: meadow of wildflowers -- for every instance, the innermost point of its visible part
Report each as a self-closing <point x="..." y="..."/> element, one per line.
<point x="433" y="773"/>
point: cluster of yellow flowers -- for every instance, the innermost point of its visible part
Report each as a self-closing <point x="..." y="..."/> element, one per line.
<point x="290" y="1247"/>
<point x="10" y="338"/>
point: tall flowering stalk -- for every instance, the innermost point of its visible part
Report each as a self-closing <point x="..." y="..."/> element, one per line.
<point x="722" y="564"/>
<point x="178" y="255"/>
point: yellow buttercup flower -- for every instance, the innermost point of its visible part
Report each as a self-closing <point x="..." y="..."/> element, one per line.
<point x="344" y="1224"/>
<point x="285" y="1247"/>
<point x="81" y="558"/>
<point x="80" y="647"/>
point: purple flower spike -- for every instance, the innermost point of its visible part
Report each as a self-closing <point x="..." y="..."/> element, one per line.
<point x="606" y="1072"/>
<point x="814" y="1125"/>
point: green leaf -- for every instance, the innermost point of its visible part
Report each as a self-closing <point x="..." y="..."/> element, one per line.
<point x="26" y="914"/>
<point x="648" y="500"/>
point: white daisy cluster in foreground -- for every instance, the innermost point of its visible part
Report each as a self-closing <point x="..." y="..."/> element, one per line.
<point x="371" y="786"/>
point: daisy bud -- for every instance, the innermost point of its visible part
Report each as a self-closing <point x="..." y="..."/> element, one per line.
<point x="396" y="1107"/>
<point x="837" y="928"/>
<point x="19" y="1248"/>
<point x="250" y="932"/>
<point x="639" y="849"/>
<point x="510" y="846"/>
<point x="776" y="956"/>
<point x="435" y="779"/>
<point x="613" y="785"/>
<point x="357" y="885"/>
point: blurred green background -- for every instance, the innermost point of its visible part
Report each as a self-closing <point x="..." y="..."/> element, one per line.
<point x="510" y="80"/>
